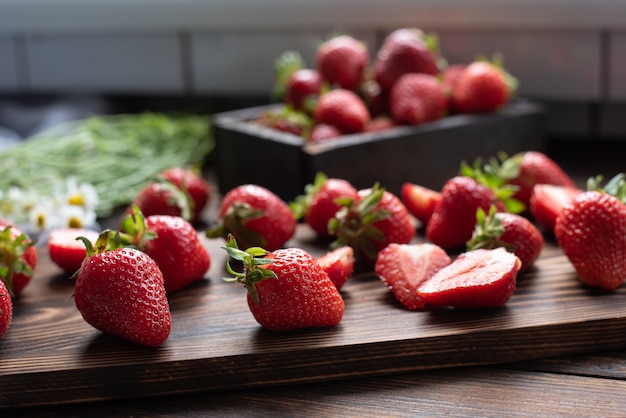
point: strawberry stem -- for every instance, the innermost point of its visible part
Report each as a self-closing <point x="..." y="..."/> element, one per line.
<point x="252" y="272"/>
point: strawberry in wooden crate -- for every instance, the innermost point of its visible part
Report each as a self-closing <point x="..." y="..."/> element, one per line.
<point x="404" y="51"/>
<point x="342" y="61"/>
<point x="287" y="288"/>
<point x="483" y="86"/>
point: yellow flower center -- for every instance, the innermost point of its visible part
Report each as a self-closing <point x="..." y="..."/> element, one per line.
<point x="76" y="200"/>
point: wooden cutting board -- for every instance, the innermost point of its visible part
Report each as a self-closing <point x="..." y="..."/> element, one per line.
<point x="51" y="356"/>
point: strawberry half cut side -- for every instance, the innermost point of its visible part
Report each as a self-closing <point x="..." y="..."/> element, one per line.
<point x="475" y="279"/>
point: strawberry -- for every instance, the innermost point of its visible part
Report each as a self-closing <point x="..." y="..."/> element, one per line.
<point x="405" y="50"/>
<point x="452" y="223"/>
<point x="6" y="309"/>
<point x="321" y="201"/>
<point x="18" y="258"/>
<point x="417" y="98"/>
<point x="192" y="184"/>
<point x="342" y="61"/>
<point x="66" y="250"/>
<point x="526" y="169"/>
<point x="450" y="78"/>
<point x="379" y="123"/>
<point x="255" y="216"/>
<point x="162" y="198"/>
<point x="475" y="279"/>
<point x="287" y="288"/>
<point x="172" y="243"/>
<point x="120" y="292"/>
<point x="509" y="230"/>
<point x="482" y="87"/>
<point x="323" y="132"/>
<point x="303" y="87"/>
<point x="375" y="219"/>
<point x="404" y="267"/>
<point x="546" y="202"/>
<point x="420" y="201"/>
<point x="591" y="231"/>
<point x="338" y="264"/>
<point x="286" y="119"/>
<point x="343" y="109"/>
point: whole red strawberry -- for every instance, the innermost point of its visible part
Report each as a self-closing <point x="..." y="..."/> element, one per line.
<point x="66" y="249"/>
<point x="162" y="198"/>
<point x="526" y="169"/>
<point x="482" y="87"/>
<point x="369" y="223"/>
<point x="343" y="109"/>
<point x="191" y="183"/>
<point x="255" y="216"/>
<point x="303" y="85"/>
<point x="452" y="223"/>
<point x="509" y="230"/>
<point x="172" y="243"/>
<point x="6" y="309"/>
<point x="286" y="119"/>
<point x="287" y="288"/>
<point x="417" y="98"/>
<point x="338" y="264"/>
<point x="323" y="132"/>
<point x="405" y="50"/>
<point x="592" y="233"/>
<point x="18" y="257"/>
<point x="450" y="78"/>
<point x="420" y="201"/>
<point x="404" y="267"/>
<point x="120" y="292"/>
<point x="322" y="201"/>
<point x="475" y="279"/>
<point x="342" y="61"/>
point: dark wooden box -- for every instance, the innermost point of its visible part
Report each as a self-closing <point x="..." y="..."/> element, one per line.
<point x="427" y="154"/>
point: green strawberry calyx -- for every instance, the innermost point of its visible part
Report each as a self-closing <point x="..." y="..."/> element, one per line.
<point x="252" y="260"/>
<point x="495" y="176"/>
<point x="488" y="232"/>
<point x="12" y="250"/>
<point x="615" y="186"/>
<point x="353" y="223"/>
<point x="234" y="223"/>
<point x="285" y="64"/>
<point x="301" y="204"/>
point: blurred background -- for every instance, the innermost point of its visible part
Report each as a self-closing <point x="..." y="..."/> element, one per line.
<point x="70" y="58"/>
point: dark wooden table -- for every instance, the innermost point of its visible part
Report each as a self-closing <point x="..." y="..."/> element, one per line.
<point x="592" y="384"/>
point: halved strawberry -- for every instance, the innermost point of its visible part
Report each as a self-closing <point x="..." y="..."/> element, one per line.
<point x="420" y="201"/>
<point x="66" y="250"/>
<point x="546" y="202"/>
<point x="475" y="279"/>
<point x="338" y="264"/>
<point x="404" y="267"/>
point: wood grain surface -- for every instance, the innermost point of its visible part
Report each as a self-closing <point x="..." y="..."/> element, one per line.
<point x="51" y="356"/>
